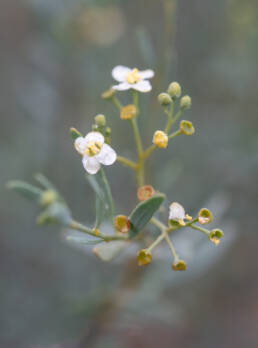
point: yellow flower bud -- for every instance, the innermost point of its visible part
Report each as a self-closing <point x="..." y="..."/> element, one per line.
<point x="108" y="94"/>
<point x="215" y="235"/>
<point x="179" y="265"/>
<point x="144" y="257"/>
<point x="48" y="197"/>
<point x="204" y="216"/>
<point x="164" y="99"/>
<point x="185" y="102"/>
<point x="128" y="112"/>
<point x="122" y="224"/>
<point x="145" y="192"/>
<point x="174" y="90"/>
<point x="100" y="120"/>
<point x="186" y="127"/>
<point x="160" y="139"/>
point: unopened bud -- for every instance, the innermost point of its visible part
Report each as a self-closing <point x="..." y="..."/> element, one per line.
<point x="122" y="224"/>
<point x="204" y="216"/>
<point x="108" y="94"/>
<point x="160" y="139"/>
<point x="145" y="192"/>
<point x="174" y="90"/>
<point x="215" y="235"/>
<point x="48" y="197"/>
<point x="185" y="102"/>
<point x="179" y="265"/>
<point x="144" y="257"/>
<point x="100" y="120"/>
<point x="128" y="112"/>
<point x="186" y="127"/>
<point x="75" y="133"/>
<point x="108" y="131"/>
<point x="164" y="99"/>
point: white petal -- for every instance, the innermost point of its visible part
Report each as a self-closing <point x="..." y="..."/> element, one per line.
<point x="80" y="145"/>
<point x="122" y="86"/>
<point x="146" y="74"/>
<point x="94" y="137"/>
<point x="142" y="86"/>
<point x="119" y="73"/>
<point x="176" y="211"/>
<point x="107" y="155"/>
<point x="91" y="164"/>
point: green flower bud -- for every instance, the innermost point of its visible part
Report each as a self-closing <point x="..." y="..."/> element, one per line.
<point x="185" y="102"/>
<point x="122" y="224"/>
<point x="100" y="120"/>
<point x="174" y="90"/>
<point x="186" y="127"/>
<point x="108" y="131"/>
<point x="204" y="216"/>
<point x="95" y="128"/>
<point x="144" y="257"/>
<point x="108" y="94"/>
<point x="164" y="99"/>
<point x="215" y="235"/>
<point x="179" y="265"/>
<point x="75" y="133"/>
<point x="48" y="197"/>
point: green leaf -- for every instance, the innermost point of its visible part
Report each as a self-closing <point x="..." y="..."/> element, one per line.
<point x="84" y="240"/>
<point x="57" y="212"/>
<point x="143" y="212"/>
<point x="101" y="187"/>
<point x="44" y="182"/>
<point x="100" y="212"/>
<point x="26" y="190"/>
<point x="108" y="251"/>
<point x="75" y="133"/>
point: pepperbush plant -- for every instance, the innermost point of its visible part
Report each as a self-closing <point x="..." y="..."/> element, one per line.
<point x="95" y="151"/>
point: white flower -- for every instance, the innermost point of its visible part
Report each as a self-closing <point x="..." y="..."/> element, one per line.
<point x="132" y="78"/>
<point x="177" y="213"/>
<point x="94" y="152"/>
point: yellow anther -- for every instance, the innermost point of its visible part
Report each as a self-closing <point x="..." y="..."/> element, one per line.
<point x="93" y="148"/>
<point x="160" y="139"/>
<point x="188" y="217"/>
<point x="181" y="222"/>
<point x="133" y="76"/>
<point x="215" y="240"/>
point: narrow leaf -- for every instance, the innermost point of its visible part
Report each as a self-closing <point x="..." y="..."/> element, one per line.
<point x="26" y="190"/>
<point x="44" y="182"/>
<point x="143" y="212"/>
<point x="100" y="212"/>
<point x="107" y="252"/>
<point x="83" y="240"/>
<point x="101" y="187"/>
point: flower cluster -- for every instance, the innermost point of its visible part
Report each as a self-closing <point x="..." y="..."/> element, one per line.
<point x="95" y="150"/>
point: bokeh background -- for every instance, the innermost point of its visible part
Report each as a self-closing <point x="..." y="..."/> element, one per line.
<point x="56" y="58"/>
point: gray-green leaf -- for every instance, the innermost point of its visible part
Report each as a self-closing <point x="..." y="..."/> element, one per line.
<point x="143" y="212"/>
<point x="26" y="190"/>
<point x="108" y="251"/>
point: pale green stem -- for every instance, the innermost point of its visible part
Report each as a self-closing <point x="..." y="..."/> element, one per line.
<point x="74" y="225"/>
<point x="201" y="229"/>
<point x="171" y="246"/>
<point x="175" y="134"/>
<point x="116" y="102"/>
<point x="127" y="162"/>
<point x="170" y="118"/>
<point x="177" y="116"/>
<point x="156" y="242"/>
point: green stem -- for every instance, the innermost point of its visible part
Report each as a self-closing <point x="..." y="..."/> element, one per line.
<point x="177" y="116"/>
<point x="127" y="162"/>
<point x="156" y="242"/>
<point x="170" y="118"/>
<point x="201" y="229"/>
<point x="175" y="134"/>
<point x="171" y="246"/>
<point x="116" y="102"/>
<point x="74" y="225"/>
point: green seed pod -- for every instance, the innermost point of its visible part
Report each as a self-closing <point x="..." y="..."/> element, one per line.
<point x="215" y="235"/>
<point x="185" y="102"/>
<point x="174" y="90"/>
<point x="186" y="127"/>
<point x="164" y="99"/>
<point x="100" y="120"/>
<point x="179" y="265"/>
<point x="204" y="216"/>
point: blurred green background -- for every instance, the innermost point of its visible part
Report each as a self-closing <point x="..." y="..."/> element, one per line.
<point x="56" y="58"/>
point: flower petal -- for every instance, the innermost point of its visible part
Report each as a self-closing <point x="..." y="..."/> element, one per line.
<point x="122" y="86"/>
<point x="142" y="86"/>
<point x="91" y="164"/>
<point x="94" y="137"/>
<point x="107" y="155"/>
<point x="146" y="74"/>
<point x="119" y="73"/>
<point x="80" y="145"/>
<point x="176" y="212"/>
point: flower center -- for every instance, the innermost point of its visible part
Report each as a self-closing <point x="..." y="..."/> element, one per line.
<point x="93" y="148"/>
<point x="133" y="76"/>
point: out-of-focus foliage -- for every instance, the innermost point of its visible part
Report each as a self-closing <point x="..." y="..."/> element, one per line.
<point x="56" y="58"/>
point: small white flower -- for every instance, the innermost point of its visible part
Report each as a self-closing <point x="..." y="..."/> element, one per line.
<point x="132" y="78"/>
<point x="177" y="213"/>
<point x="94" y="152"/>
